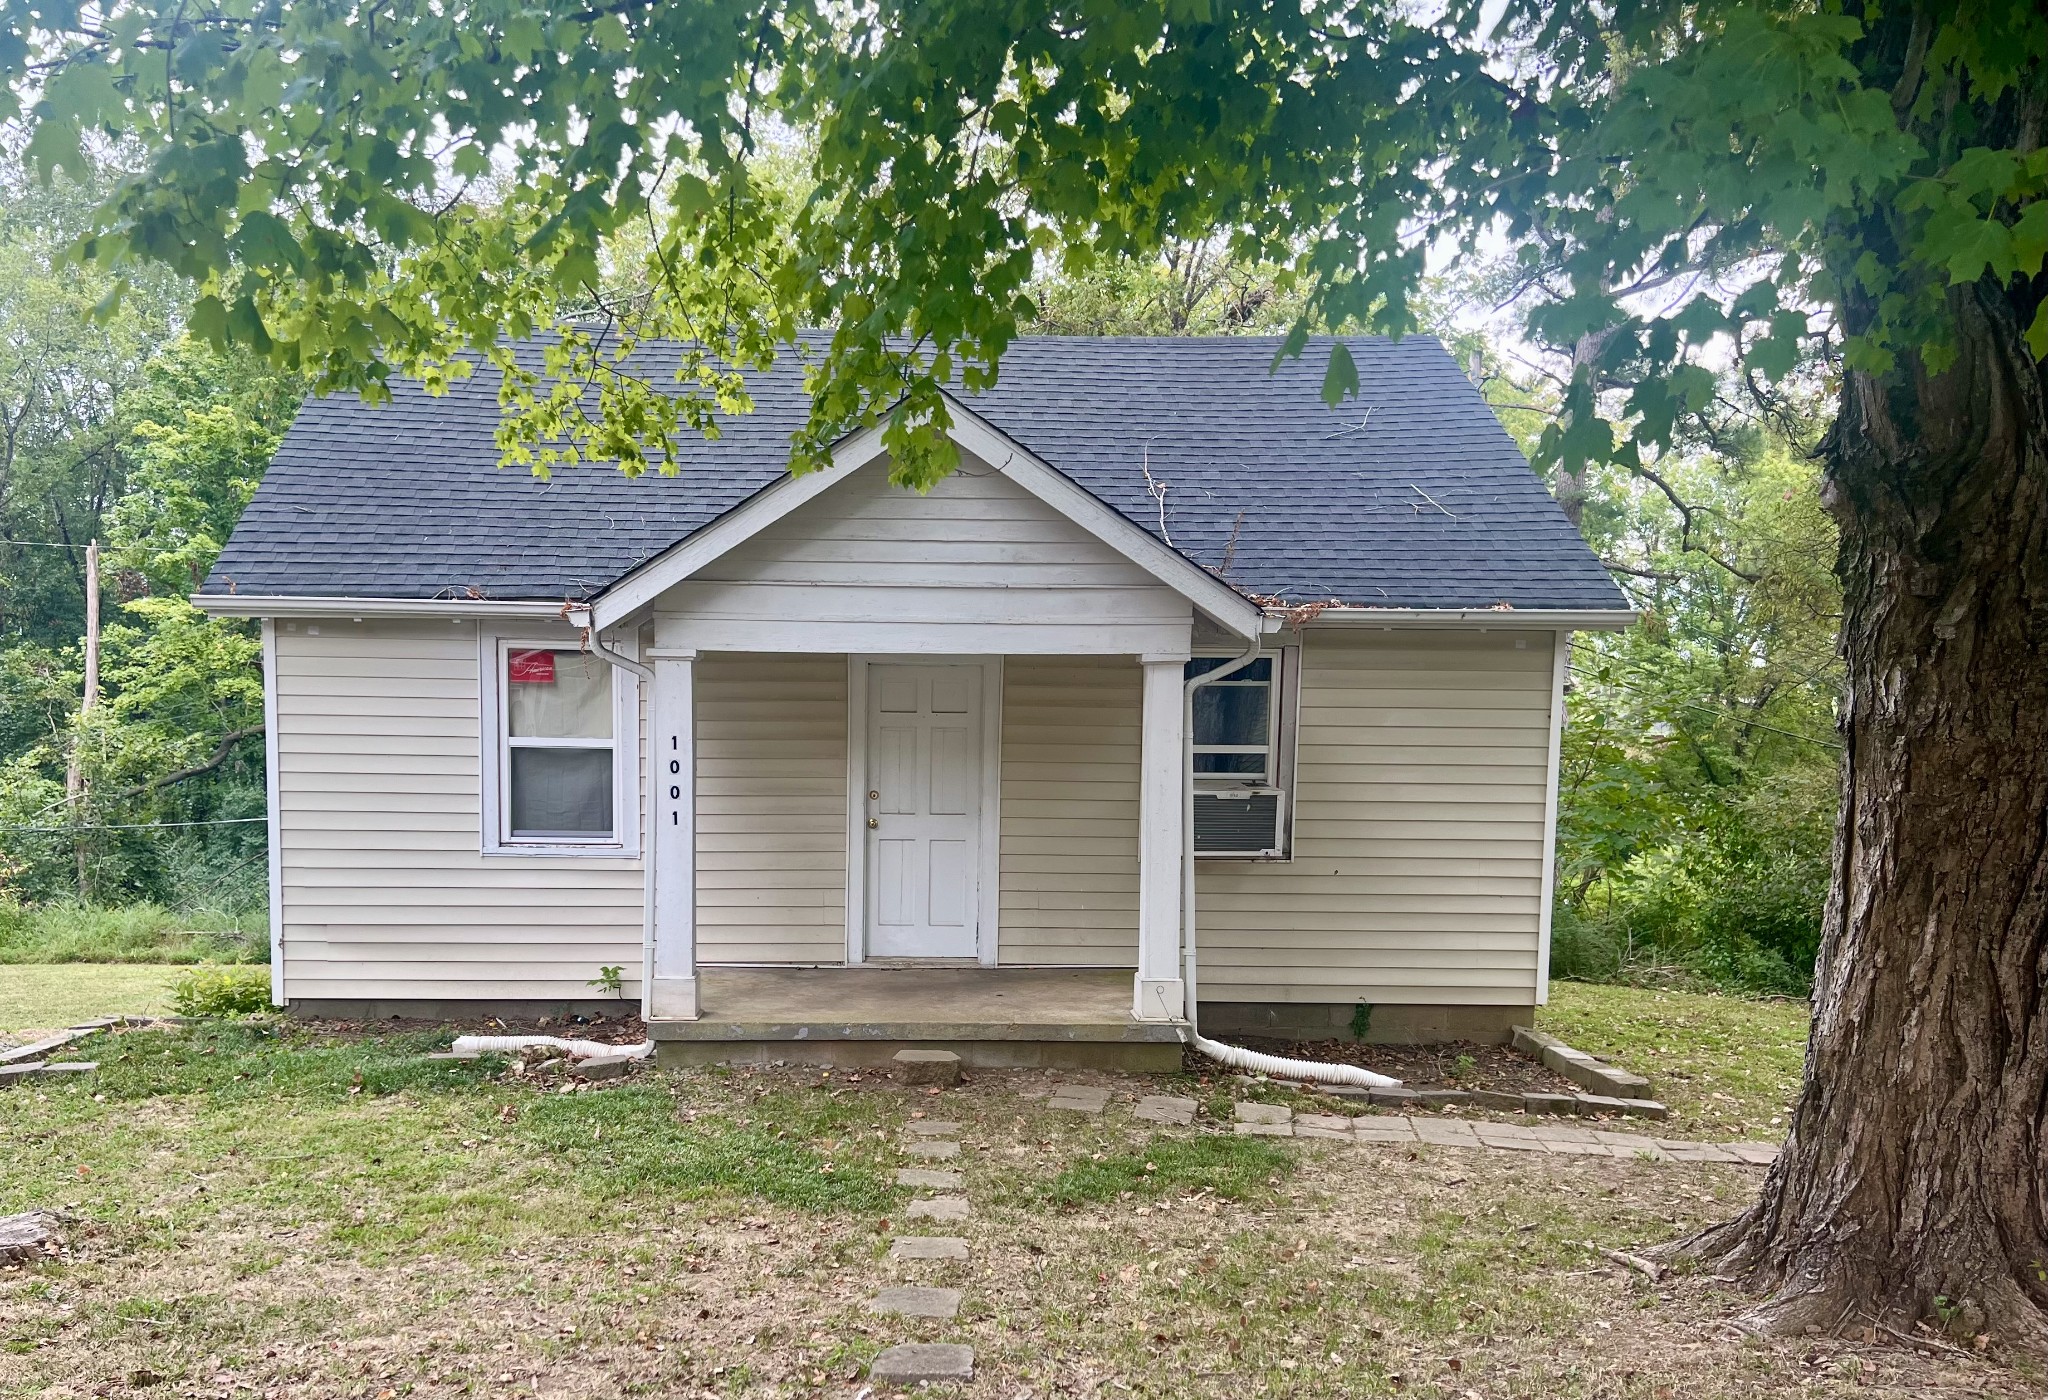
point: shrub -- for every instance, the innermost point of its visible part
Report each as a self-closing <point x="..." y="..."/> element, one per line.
<point x="221" y="991"/>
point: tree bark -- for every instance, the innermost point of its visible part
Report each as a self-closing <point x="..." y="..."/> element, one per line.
<point x="1914" y="1180"/>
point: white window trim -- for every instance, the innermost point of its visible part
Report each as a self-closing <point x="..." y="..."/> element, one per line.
<point x="624" y="842"/>
<point x="1284" y="721"/>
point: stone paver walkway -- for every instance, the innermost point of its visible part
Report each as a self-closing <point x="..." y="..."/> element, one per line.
<point x="911" y="1363"/>
<point x="1557" y="1139"/>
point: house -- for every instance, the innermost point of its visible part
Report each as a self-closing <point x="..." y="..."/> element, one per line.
<point x="823" y="766"/>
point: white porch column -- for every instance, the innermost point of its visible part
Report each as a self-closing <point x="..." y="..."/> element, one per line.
<point x="672" y="772"/>
<point x="1160" y="994"/>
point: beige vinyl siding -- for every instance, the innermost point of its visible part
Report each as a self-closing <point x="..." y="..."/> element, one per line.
<point x="771" y="808"/>
<point x="976" y="551"/>
<point x="1070" y="811"/>
<point x="385" y="892"/>
<point x="1419" y="825"/>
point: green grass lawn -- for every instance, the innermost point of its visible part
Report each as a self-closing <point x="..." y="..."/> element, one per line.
<point x="258" y="1208"/>
<point x="1727" y="1066"/>
<point x="41" y="997"/>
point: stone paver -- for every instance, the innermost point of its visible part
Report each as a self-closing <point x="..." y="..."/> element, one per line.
<point x="926" y="1067"/>
<point x="1080" y="1098"/>
<point x="1564" y="1148"/>
<point x="1445" y="1133"/>
<point x="932" y="1148"/>
<point x="1549" y="1136"/>
<point x="926" y="1127"/>
<point x="1264" y="1129"/>
<point x="1394" y="1097"/>
<point x="36" y="1049"/>
<point x="925" y="1179"/>
<point x="25" y="1236"/>
<point x="1390" y="1129"/>
<point x="915" y="1300"/>
<point x="1322" y="1125"/>
<point x="1263" y="1113"/>
<point x="1549" y="1133"/>
<point x="906" y="1247"/>
<point x="939" y="1208"/>
<point x="1161" y="1108"/>
<point x="1516" y="1131"/>
<point x="912" y="1362"/>
<point x="1549" y="1103"/>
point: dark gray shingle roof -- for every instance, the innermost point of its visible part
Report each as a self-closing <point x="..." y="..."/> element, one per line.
<point x="1409" y="496"/>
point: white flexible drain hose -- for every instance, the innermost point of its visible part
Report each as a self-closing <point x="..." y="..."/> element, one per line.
<point x="1313" y="1071"/>
<point x="574" y="1049"/>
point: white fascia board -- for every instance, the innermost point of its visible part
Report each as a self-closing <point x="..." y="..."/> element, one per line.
<point x="272" y="605"/>
<point x="731" y="530"/>
<point x="1506" y="619"/>
<point x="1105" y="522"/>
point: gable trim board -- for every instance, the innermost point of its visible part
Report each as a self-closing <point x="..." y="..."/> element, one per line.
<point x="647" y="583"/>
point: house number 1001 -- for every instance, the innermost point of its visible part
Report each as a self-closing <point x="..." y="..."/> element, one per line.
<point x="675" y="791"/>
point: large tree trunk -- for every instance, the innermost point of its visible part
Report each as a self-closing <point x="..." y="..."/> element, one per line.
<point x="1914" y="1181"/>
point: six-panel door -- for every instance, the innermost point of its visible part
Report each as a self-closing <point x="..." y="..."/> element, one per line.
<point x="923" y="808"/>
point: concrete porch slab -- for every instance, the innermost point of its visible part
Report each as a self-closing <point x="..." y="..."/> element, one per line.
<point x="859" y="1016"/>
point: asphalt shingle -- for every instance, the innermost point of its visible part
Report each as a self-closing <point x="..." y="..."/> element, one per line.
<point x="1410" y="496"/>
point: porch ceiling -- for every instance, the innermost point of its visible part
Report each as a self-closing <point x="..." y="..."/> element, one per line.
<point x="916" y="1004"/>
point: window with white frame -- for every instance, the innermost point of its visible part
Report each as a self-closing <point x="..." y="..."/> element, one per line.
<point x="1241" y="756"/>
<point x="560" y="767"/>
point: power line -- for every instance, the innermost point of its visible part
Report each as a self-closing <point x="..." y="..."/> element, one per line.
<point x="134" y="826"/>
<point x="1708" y="709"/>
<point x="44" y="544"/>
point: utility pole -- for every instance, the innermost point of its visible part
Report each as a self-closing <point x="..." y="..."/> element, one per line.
<point x="74" y="771"/>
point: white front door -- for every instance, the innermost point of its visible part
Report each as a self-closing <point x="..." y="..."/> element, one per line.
<point x="923" y="807"/>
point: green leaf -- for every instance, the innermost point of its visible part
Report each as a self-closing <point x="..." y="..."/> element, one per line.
<point x="2037" y="333"/>
<point x="264" y="240"/>
<point x="1340" y="377"/>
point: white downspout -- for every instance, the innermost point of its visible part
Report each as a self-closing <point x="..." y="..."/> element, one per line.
<point x="1233" y="1055"/>
<point x="579" y="618"/>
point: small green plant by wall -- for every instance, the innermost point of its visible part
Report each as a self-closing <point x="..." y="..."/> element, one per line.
<point x="1361" y="1020"/>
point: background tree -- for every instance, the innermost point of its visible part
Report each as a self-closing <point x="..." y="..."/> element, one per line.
<point x="1710" y="180"/>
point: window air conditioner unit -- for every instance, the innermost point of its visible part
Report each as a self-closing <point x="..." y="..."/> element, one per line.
<point x="1241" y="821"/>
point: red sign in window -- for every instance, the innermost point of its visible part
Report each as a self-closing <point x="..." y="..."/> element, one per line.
<point x="530" y="667"/>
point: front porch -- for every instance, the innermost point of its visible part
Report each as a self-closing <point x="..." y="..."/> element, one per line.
<point x="991" y="1017"/>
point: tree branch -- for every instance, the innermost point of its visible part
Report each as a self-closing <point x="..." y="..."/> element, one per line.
<point x="220" y="755"/>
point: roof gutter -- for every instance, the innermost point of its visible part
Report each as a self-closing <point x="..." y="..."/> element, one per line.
<point x="277" y="605"/>
<point x="1569" y="619"/>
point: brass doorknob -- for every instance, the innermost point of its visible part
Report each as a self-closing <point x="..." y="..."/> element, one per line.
<point x="874" y="822"/>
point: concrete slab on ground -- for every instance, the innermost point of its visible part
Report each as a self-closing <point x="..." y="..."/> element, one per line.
<point x="916" y="1300"/>
<point x="909" y="1247"/>
<point x="1079" y="1098"/>
<point x="925" y="1179"/>
<point x="1162" y="1108"/>
<point x="1263" y="1113"/>
<point x="939" y="1208"/>
<point x="915" y="1362"/>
